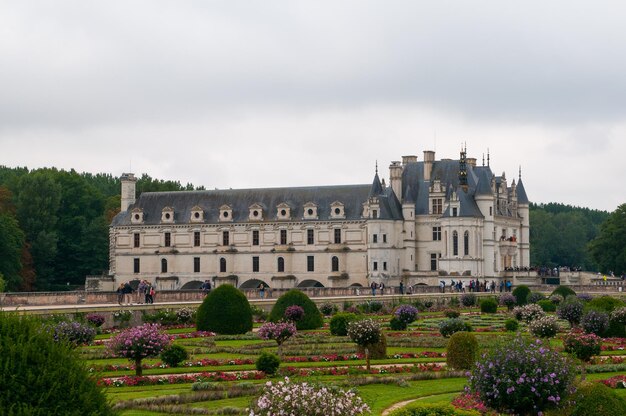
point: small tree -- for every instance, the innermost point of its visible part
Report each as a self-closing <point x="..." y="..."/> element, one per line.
<point x="138" y="343"/>
<point x="294" y="313"/>
<point x="571" y="309"/>
<point x="279" y="332"/>
<point x="364" y="333"/>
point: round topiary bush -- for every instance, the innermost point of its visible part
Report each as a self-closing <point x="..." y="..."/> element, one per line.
<point x="563" y="291"/>
<point x="511" y="325"/>
<point x="489" y="305"/>
<point x="312" y="318"/>
<point x="468" y="299"/>
<point x="225" y="310"/>
<point x="605" y="303"/>
<point x="547" y="305"/>
<point x="450" y="326"/>
<point x="521" y="294"/>
<point x="42" y="377"/>
<point x="461" y="351"/>
<point x="339" y="323"/>
<point x="268" y="363"/>
<point x="593" y="399"/>
<point x="594" y="322"/>
<point x="174" y="355"/>
<point x="396" y="324"/>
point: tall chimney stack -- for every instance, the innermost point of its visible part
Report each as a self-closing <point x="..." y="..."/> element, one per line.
<point x="429" y="159"/>
<point x="128" y="190"/>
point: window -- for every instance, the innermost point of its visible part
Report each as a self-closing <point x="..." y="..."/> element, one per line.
<point x="255" y="237"/>
<point x="375" y="238"/>
<point x="384" y="265"/>
<point x="255" y="263"/>
<point x="136" y="268"/>
<point x="225" y="238"/>
<point x="196" y="264"/>
<point x="384" y="238"/>
<point x="466" y="243"/>
<point x="436" y="233"/>
<point x="222" y="265"/>
<point x="334" y="264"/>
<point x="337" y="235"/>
<point x="310" y="236"/>
<point x="310" y="263"/>
<point x="136" y="240"/>
<point x="374" y="213"/>
<point x="196" y="238"/>
<point x="455" y="212"/>
<point x="455" y="243"/>
<point x="375" y="266"/>
<point x="163" y="266"/>
<point x="283" y="237"/>
<point x="168" y="239"/>
<point x="433" y="262"/>
<point x="281" y="264"/>
<point x="437" y="206"/>
<point x="490" y="211"/>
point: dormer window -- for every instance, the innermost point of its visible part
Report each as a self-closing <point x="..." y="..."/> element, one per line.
<point x="256" y="212"/>
<point x="167" y="215"/>
<point x="310" y="211"/>
<point x="136" y="216"/>
<point x="226" y="213"/>
<point x="197" y="214"/>
<point x="283" y="211"/>
<point x="337" y="210"/>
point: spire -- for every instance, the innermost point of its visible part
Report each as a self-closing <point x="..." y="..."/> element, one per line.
<point x="487" y="156"/>
<point x="483" y="159"/>
<point x="520" y="172"/>
<point x="463" y="168"/>
<point x="377" y="187"/>
<point x="377" y="167"/>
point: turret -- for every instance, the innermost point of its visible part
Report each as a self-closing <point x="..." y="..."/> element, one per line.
<point x="128" y="190"/>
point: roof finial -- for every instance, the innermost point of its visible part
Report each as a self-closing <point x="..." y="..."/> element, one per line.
<point x="483" y="159"/>
<point x="377" y="166"/>
<point x="520" y="172"/>
<point x="487" y="156"/>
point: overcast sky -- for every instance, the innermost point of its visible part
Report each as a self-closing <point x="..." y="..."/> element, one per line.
<point x="235" y="94"/>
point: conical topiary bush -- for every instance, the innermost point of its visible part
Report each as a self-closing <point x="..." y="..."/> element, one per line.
<point x="312" y="316"/>
<point x="225" y="310"/>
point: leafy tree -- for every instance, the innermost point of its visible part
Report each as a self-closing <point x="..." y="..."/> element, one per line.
<point x="609" y="247"/>
<point x="11" y="242"/>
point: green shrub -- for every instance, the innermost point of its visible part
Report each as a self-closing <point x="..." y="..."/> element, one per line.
<point x="312" y="317"/>
<point x="454" y="302"/>
<point x="564" y="291"/>
<point x="174" y="355"/>
<point x="378" y="350"/>
<point x="339" y="323"/>
<point x="396" y="324"/>
<point x="468" y="299"/>
<point x="450" y="326"/>
<point x="511" y="325"/>
<point x="452" y="313"/>
<point x="535" y="297"/>
<point x="268" y="363"/>
<point x="489" y="305"/>
<point x="521" y="294"/>
<point x="605" y="304"/>
<point x="42" y="377"/>
<point x="427" y="409"/>
<point x="225" y="310"/>
<point x="461" y="351"/>
<point x="593" y="399"/>
<point x="161" y="316"/>
<point x="547" y="305"/>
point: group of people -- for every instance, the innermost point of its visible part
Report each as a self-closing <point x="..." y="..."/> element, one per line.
<point x="145" y="293"/>
<point x="380" y="286"/>
<point x="475" y="285"/>
<point x="206" y="287"/>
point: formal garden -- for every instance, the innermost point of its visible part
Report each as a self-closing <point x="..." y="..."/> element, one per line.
<point x="513" y="353"/>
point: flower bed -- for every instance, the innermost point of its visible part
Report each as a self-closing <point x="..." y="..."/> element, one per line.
<point x="180" y="378"/>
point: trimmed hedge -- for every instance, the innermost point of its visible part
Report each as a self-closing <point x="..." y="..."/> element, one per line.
<point x="489" y="305"/>
<point x="339" y="323"/>
<point x="604" y="304"/>
<point x="42" y="377"/>
<point x="563" y="291"/>
<point x="547" y="305"/>
<point x="225" y="310"/>
<point x="593" y="399"/>
<point x="174" y="355"/>
<point x="521" y="294"/>
<point x="426" y="409"/>
<point x="312" y="316"/>
<point x="268" y="363"/>
<point x="462" y="351"/>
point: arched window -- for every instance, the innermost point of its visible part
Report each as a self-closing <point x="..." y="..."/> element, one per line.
<point x="334" y="264"/>
<point x="222" y="265"/>
<point x="163" y="265"/>
<point x="281" y="264"/>
<point x="466" y="243"/>
<point x="455" y="243"/>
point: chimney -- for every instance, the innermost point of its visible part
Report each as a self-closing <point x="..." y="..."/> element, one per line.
<point x="471" y="161"/>
<point x="395" y="178"/>
<point x="429" y="159"/>
<point x="408" y="159"/>
<point x="128" y="190"/>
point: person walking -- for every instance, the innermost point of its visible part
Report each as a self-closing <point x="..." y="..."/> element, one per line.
<point x="128" y="291"/>
<point x="373" y="287"/>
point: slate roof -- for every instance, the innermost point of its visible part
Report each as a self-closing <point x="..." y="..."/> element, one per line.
<point x="522" y="198"/>
<point x="239" y="200"/>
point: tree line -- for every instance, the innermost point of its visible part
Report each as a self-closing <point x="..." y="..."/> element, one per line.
<point x="54" y="228"/>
